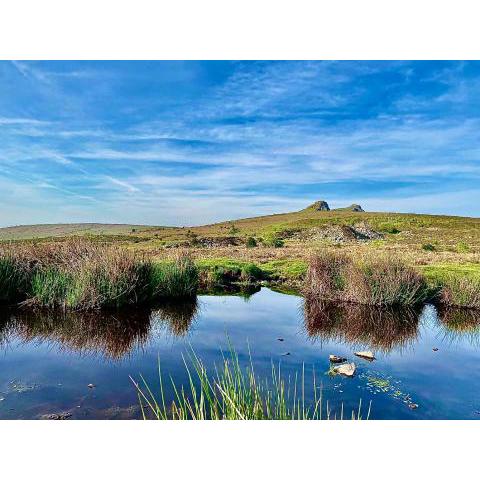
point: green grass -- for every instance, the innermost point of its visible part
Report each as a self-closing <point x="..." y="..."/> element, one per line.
<point x="454" y="284"/>
<point x="285" y="269"/>
<point x="12" y="279"/>
<point x="234" y="393"/>
<point x="85" y="275"/>
<point x="173" y="279"/>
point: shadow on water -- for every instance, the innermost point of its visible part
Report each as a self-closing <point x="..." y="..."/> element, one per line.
<point x="379" y="328"/>
<point x="112" y="335"/>
<point x="458" y="324"/>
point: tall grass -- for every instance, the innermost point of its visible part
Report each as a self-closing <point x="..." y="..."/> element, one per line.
<point x="174" y="279"/>
<point x="13" y="279"/>
<point x="380" y="281"/>
<point x="83" y="275"/>
<point x="233" y="393"/>
<point x="460" y="291"/>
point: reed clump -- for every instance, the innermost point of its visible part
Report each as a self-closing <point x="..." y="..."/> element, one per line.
<point x="460" y="291"/>
<point x="234" y="393"/>
<point x="384" y="281"/>
<point x="82" y="275"/>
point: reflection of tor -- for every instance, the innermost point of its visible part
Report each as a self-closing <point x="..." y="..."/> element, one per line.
<point x="380" y="328"/>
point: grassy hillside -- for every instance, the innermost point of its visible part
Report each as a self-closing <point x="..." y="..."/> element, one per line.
<point x="420" y="239"/>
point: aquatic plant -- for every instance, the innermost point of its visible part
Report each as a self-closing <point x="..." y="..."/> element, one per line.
<point x="233" y="393"/>
<point x="368" y="280"/>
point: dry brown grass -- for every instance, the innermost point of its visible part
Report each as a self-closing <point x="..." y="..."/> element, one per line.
<point x="367" y="280"/>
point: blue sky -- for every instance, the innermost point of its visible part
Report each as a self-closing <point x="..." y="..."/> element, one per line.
<point x="183" y="143"/>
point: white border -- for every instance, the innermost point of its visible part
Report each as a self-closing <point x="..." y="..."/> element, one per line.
<point x="246" y="29"/>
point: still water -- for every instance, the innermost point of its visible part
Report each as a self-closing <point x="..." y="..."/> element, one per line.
<point x="48" y="360"/>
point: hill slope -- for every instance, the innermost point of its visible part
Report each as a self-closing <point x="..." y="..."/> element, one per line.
<point x="423" y="238"/>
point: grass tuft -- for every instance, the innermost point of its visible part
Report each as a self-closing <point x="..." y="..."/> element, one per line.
<point x="233" y="393"/>
<point x="333" y="276"/>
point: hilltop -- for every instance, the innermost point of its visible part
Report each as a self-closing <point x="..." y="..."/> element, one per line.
<point x="421" y="238"/>
<point x="281" y="243"/>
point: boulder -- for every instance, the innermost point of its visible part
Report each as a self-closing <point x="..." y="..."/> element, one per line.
<point x="366" y="355"/>
<point x="336" y="359"/>
<point x="355" y="207"/>
<point x="320" y="206"/>
<point x="347" y="369"/>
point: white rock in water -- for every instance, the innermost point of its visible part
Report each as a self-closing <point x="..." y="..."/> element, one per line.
<point x="336" y="359"/>
<point x="347" y="369"/>
<point x="365" y="355"/>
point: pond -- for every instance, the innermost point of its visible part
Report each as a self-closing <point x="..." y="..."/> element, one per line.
<point x="427" y="362"/>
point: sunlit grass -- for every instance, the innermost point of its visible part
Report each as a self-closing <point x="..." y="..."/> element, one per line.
<point x="235" y="393"/>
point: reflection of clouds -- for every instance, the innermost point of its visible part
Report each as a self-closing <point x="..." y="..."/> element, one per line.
<point x="380" y="328"/>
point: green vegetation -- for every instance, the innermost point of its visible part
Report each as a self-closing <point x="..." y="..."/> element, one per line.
<point x="286" y="270"/>
<point x="174" y="279"/>
<point x="12" y="279"/>
<point x="462" y="247"/>
<point x="233" y="393"/>
<point x="244" y="251"/>
<point x="370" y="280"/>
<point x="251" y="242"/>
<point x="428" y="247"/>
<point x="84" y="275"/>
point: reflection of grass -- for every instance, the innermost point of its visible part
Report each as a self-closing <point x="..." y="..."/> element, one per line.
<point x="460" y="323"/>
<point x="233" y="393"/>
<point x="380" y="328"/>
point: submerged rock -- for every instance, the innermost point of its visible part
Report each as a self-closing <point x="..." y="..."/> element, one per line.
<point x="336" y="359"/>
<point x="347" y="369"/>
<point x="366" y="355"/>
<point x="56" y="416"/>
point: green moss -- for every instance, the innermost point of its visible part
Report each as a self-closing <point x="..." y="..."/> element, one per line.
<point x="285" y="269"/>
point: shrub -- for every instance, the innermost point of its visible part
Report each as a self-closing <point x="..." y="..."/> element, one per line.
<point x="251" y="242"/>
<point x="388" y="227"/>
<point x="428" y="247"/>
<point x="86" y="275"/>
<point x="273" y="240"/>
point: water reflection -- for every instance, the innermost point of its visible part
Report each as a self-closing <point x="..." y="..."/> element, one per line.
<point x="458" y="324"/>
<point x="381" y="329"/>
<point x="118" y="334"/>
<point x="112" y="335"/>
<point x="176" y="318"/>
